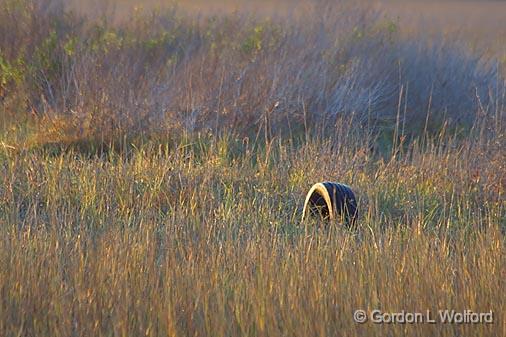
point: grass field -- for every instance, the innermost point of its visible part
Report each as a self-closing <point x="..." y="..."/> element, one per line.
<point x="154" y="169"/>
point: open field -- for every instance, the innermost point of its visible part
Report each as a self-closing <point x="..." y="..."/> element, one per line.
<point x="154" y="166"/>
<point x="481" y="23"/>
<point x="205" y="239"/>
<point x="482" y="20"/>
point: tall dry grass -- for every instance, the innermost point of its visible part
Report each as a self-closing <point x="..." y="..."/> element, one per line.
<point x="206" y="239"/>
<point x="153" y="171"/>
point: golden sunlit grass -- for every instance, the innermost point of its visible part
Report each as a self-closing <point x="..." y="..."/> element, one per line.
<point x="204" y="239"/>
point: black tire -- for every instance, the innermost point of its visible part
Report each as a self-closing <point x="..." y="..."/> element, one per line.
<point x="331" y="201"/>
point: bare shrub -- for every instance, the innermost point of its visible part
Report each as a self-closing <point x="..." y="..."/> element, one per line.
<point x="172" y="71"/>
